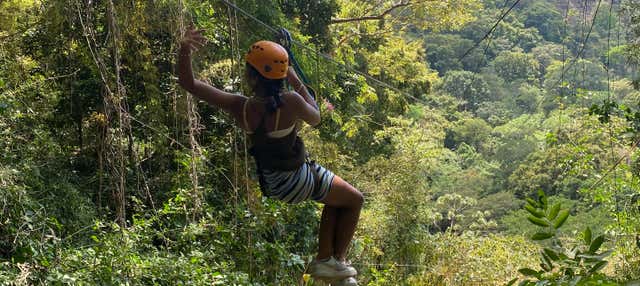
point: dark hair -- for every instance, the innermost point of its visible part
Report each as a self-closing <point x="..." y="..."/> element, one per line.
<point x="271" y="88"/>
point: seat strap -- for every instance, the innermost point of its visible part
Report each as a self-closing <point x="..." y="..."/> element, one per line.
<point x="277" y="119"/>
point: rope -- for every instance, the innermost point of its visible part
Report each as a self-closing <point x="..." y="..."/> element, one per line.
<point x="608" y="65"/>
<point x="284" y="37"/>
<point x="626" y="155"/>
<point x="233" y="137"/>
<point x="175" y="141"/>
<point x="236" y="68"/>
<point x="117" y="168"/>
<point x="194" y="130"/>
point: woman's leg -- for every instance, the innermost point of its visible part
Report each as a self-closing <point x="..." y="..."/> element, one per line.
<point x="339" y="218"/>
<point x="327" y="232"/>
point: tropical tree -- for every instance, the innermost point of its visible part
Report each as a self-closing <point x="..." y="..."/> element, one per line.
<point x="467" y="86"/>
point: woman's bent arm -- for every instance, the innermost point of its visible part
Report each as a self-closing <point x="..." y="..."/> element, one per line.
<point x="307" y="107"/>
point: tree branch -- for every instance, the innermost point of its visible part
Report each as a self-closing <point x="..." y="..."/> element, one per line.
<point x="374" y="17"/>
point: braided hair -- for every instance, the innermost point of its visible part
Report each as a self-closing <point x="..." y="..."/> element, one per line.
<point x="271" y="88"/>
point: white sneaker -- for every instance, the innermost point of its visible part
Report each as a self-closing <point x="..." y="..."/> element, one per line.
<point x="349" y="281"/>
<point x="331" y="269"/>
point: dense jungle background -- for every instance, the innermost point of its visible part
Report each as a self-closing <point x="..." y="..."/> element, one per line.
<point x="493" y="140"/>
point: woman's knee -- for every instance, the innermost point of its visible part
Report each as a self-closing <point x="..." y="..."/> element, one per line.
<point x="354" y="198"/>
<point x="344" y="195"/>
<point x="358" y="200"/>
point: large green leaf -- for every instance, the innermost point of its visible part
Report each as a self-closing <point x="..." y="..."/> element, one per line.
<point x="533" y="211"/>
<point x="586" y="235"/>
<point x="538" y="221"/>
<point x="551" y="253"/>
<point x="542" y="198"/>
<point x="542" y="235"/>
<point x="529" y="272"/>
<point x="598" y="267"/>
<point x="562" y="218"/>
<point x="596" y="243"/>
<point x="553" y="212"/>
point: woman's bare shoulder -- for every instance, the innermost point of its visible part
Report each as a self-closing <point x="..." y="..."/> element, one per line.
<point x="292" y="96"/>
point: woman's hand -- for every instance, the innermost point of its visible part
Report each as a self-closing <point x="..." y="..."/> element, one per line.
<point x="192" y="40"/>
<point x="300" y="88"/>
<point x="293" y="78"/>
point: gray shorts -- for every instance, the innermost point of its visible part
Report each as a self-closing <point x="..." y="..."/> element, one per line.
<point x="310" y="181"/>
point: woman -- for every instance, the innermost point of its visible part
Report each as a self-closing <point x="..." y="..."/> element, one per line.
<point x="269" y="117"/>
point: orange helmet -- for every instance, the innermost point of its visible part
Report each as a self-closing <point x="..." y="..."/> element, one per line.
<point x="269" y="59"/>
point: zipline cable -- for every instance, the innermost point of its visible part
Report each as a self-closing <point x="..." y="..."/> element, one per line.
<point x="584" y="42"/>
<point x="562" y="89"/>
<point x="327" y="57"/>
<point x="490" y="39"/>
<point x="489" y="32"/>
<point x="578" y="56"/>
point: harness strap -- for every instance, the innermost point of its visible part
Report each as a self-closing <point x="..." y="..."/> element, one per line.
<point x="244" y="114"/>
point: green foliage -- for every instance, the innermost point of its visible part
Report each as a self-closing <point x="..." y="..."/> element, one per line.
<point x="474" y="132"/>
<point x="544" y="17"/>
<point x="575" y="264"/>
<point x="402" y="64"/>
<point x="467" y="86"/>
<point x="469" y="259"/>
<point x="443" y="53"/>
<point x="314" y="17"/>
<point x="445" y="170"/>
<point x="382" y="236"/>
<point x="516" y="66"/>
<point x="582" y="75"/>
<point x="548" y="53"/>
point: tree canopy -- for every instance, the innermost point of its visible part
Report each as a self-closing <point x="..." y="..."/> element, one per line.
<point x="483" y="154"/>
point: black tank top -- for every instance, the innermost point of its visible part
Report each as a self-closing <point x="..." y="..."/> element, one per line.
<point x="283" y="154"/>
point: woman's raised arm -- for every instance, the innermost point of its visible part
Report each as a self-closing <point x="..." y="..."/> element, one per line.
<point x="192" y="41"/>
